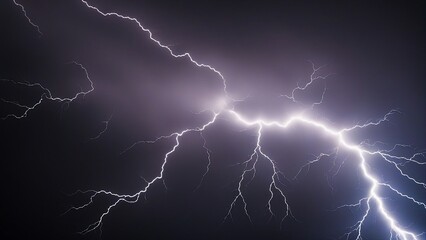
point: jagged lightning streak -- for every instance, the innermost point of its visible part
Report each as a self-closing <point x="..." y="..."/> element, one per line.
<point x="155" y="40"/>
<point x="375" y="183"/>
<point x="339" y="135"/>
<point x="209" y="161"/>
<point x="309" y="163"/>
<point x="105" y="123"/>
<point x="312" y="79"/>
<point x="46" y="95"/>
<point x="28" y="18"/>
<point x="253" y="160"/>
<point x="250" y="164"/>
<point x="135" y="197"/>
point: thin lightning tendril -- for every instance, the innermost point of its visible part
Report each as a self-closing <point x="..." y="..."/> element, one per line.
<point x="275" y="185"/>
<point x="46" y="95"/>
<point x="315" y="76"/>
<point x="250" y="167"/>
<point x="155" y="40"/>
<point x="375" y="183"/>
<point x="209" y="161"/>
<point x="308" y="164"/>
<point x="28" y="18"/>
<point x="105" y="123"/>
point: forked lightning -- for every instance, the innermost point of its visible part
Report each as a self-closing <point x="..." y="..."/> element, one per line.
<point x="276" y="189"/>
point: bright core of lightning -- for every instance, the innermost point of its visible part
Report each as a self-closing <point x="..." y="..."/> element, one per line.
<point x="225" y="108"/>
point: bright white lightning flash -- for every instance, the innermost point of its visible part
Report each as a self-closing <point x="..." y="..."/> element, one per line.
<point x="397" y="231"/>
<point x="375" y="183"/>
<point x="274" y="186"/>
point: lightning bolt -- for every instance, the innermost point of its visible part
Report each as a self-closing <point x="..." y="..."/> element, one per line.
<point x="209" y="161"/>
<point x="135" y="197"/>
<point x="314" y="77"/>
<point x="28" y="18"/>
<point x="46" y="95"/>
<point x="105" y="123"/>
<point x="161" y="45"/>
<point x="375" y="184"/>
<point x="258" y="154"/>
<point x="275" y="182"/>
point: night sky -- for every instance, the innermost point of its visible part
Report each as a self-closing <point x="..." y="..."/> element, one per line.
<point x="373" y="51"/>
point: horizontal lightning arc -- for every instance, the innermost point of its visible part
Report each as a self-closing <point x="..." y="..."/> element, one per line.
<point x="135" y="197"/>
<point x="406" y="235"/>
<point x="257" y="151"/>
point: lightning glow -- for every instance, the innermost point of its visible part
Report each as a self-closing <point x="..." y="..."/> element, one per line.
<point x="155" y="40"/>
<point x="374" y="182"/>
<point x="276" y="187"/>
<point x="275" y="183"/>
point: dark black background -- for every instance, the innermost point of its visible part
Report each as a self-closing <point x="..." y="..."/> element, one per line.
<point x="376" y="50"/>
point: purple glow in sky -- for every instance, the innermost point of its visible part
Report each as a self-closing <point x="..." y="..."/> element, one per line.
<point x="241" y="138"/>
